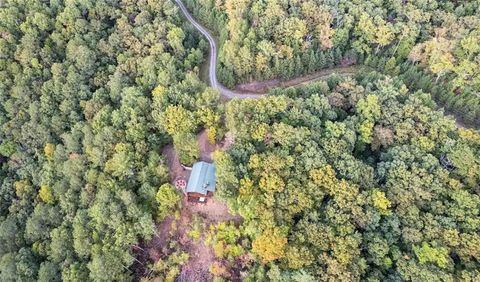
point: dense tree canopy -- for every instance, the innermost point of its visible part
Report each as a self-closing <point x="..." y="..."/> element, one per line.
<point x="343" y="179"/>
<point x="353" y="180"/>
<point x="89" y="92"/>
<point x="281" y="39"/>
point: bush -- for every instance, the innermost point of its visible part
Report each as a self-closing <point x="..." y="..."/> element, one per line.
<point x="168" y="199"/>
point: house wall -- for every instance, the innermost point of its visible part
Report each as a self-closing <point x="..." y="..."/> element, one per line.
<point x="194" y="197"/>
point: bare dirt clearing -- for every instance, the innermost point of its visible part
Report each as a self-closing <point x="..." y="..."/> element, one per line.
<point x="214" y="211"/>
<point x="202" y="256"/>
<point x="175" y="168"/>
<point x="176" y="228"/>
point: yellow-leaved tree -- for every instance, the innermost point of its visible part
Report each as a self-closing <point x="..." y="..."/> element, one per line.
<point x="270" y="245"/>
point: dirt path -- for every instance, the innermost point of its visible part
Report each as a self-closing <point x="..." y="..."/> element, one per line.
<point x="262" y="87"/>
<point x="257" y="89"/>
<point x="206" y="148"/>
<point x="175" y="169"/>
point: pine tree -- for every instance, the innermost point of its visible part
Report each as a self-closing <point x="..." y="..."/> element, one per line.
<point x="290" y="66"/>
<point x="311" y="61"/>
<point x="226" y="77"/>
<point x="360" y="57"/>
<point x="322" y="61"/>
<point x="381" y="64"/>
<point x="298" y="66"/>
<point x="443" y="95"/>
<point x="338" y="56"/>
<point x="372" y="61"/>
<point x="277" y="66"/>
<point x="450" y="101"/>
<point x="470" y="113"/>
<point x="330" y="58"/>
<point x="391" y="67"/>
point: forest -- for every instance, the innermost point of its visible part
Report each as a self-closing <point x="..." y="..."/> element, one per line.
<point x="85" y="86"/>
<point x="438" y="42"/>
<point x="364" y="177"/>
<point x="353" y="179"/>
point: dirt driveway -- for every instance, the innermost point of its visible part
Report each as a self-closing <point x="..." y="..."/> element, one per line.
<point x="176" y="170"/>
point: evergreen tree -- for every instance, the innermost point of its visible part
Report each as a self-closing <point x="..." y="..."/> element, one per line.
<point x="322" y="61"/>
<point x="338" y="56"/>
<point x="330" y="58"/>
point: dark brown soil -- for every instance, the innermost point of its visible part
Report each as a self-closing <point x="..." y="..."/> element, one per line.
<point x="262" y="87"/>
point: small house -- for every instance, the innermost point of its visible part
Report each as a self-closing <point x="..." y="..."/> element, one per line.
<point x="201" y="183"/>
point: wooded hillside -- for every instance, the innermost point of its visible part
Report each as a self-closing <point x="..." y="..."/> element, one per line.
<point x="353" y="180"/>
<point x="348" y="178"/>
<point x="268" y="39"/>
<point x="84" y="91"/>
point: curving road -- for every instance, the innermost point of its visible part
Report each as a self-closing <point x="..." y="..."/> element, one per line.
<point x="229" y="94"/>
<point x="212" y="65"/>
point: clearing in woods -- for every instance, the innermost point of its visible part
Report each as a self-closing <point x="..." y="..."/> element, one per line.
<point x="176" y="228"/>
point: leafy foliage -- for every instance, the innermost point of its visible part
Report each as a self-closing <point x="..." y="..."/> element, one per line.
<point x="168" y="199"/>
<point x="90" y="92"/>
<point x="323" y="199"/>
<point x="277" y="39"/>
<point x="346" y="179"/>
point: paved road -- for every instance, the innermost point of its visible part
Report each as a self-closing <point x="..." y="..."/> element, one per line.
<point x="212" y="65"/>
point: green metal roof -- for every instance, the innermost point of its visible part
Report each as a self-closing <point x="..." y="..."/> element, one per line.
<point x="202" y="179"/>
